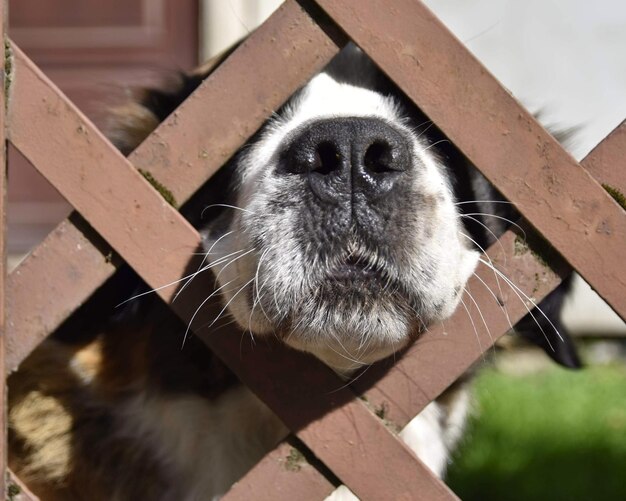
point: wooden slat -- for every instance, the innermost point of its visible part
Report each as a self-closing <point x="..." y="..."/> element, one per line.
<point x="66" y="267"/>
<point x="68" y="249"/>
<point x="5" y="81"/>
<point x="18" y="490"/>
<point x="398" y="389"/>
<point x="318" y="435"/>
<point x="314" y="403"/>
<point x="209" y="127"/>
<point x="497" y="134"/>
<point x="607" y="162"/>
<point x="154" y="239"/>
<point x="282" y="475"/>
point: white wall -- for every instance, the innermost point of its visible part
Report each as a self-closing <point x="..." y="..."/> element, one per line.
<point x="223" y="22"/>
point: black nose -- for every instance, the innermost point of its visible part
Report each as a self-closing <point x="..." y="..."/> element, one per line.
<point x="344" y="156"/>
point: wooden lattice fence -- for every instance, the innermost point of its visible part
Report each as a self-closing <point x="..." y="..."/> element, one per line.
<point x="120" y="218"/>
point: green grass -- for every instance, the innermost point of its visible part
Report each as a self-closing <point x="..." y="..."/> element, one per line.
<point x="554" y="435"/>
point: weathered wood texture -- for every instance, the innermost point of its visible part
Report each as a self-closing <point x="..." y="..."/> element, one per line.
<point x="123" y="219"/>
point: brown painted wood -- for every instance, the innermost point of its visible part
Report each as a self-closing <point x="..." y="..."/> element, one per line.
<point x="283" y="474"/>
<point x="95" y="178"/>
<point x="358" y="421"/>
<point x="445" y="352"/>
<point x="607" y="161"/>
<point x="95" y="52"/>
<point x="3" y="255"/>
<point x="53" y="253"/>
<point x="560" y="199"/>
<point x="402" y="390"/>
<point x="67" y="267"/>
<point x="24" y="493"/>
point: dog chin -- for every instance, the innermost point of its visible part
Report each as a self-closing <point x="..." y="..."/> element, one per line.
<point x="343" y="353"/>
<point x="346" y="341"/>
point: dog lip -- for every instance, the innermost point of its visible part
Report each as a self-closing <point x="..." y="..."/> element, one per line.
<point x="353" y="268"/>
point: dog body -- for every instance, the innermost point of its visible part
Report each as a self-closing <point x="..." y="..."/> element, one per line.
<point x="337" y="229"/>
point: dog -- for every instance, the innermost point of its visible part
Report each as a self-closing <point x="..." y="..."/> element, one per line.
<point x="344" y="227"/>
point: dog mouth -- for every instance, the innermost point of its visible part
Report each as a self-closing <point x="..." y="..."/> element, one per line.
<point x="355" y="268"/>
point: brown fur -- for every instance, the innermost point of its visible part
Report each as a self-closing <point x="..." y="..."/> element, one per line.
<point x="62" y="403"/>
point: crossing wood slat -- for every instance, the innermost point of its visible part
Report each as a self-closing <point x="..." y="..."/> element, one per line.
<point x="271" y="64"/>
<point x="156" y="241"/>
<point x="70" y="258"/>
<point x="95" y="178"/>
<point x="319" y="437"/>
<point x="529" y="167"/>
<point x="340" y="430"/>
<point x="68" y="266"/>
<point x="394" y="389"/>
<point x="444" y="353"/>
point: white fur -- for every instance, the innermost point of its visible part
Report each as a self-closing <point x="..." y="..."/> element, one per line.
<point x="322" y="97"/>
<point x="278" y="273"/>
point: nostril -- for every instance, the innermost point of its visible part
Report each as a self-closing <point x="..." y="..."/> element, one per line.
<point x="379" y="157"/>
<point x="326" y="158"/>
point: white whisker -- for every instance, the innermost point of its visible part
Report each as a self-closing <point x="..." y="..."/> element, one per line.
<point x="516" y="289"/>
<point x="480" y="345"/>
<point x="231" y="262"/>
<point x="512" y="223"/>
<point x="506" y="313"/>
<point x="496" y="239"/>
<point x="230" y="301"/>
<point x="198" y="309"/>
<point x="490" y="260"/>
<point x="484" y="201"/>
<point x="482" y="317"/>
<point x="224" y="205"/>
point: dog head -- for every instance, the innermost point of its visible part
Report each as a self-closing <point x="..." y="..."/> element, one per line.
<point x="343" y="237"/>
<point x="335" y="227"/>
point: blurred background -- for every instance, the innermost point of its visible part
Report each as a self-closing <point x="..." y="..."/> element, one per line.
<point x="540" y="432"/>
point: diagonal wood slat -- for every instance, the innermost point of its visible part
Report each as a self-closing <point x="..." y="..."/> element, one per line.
<point x="68" y="266"/>
<point x="607" y="161"/>
<point x="464" y="338"/>
<point x="60" y="260"/>
<point x="204" y="132"/>
<point x="156" y="241"/>
<point x="277" y="477"/>
<point x="24" y="493"/>
<point x="504" y="141"/>
<point x="397" y="389"/>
